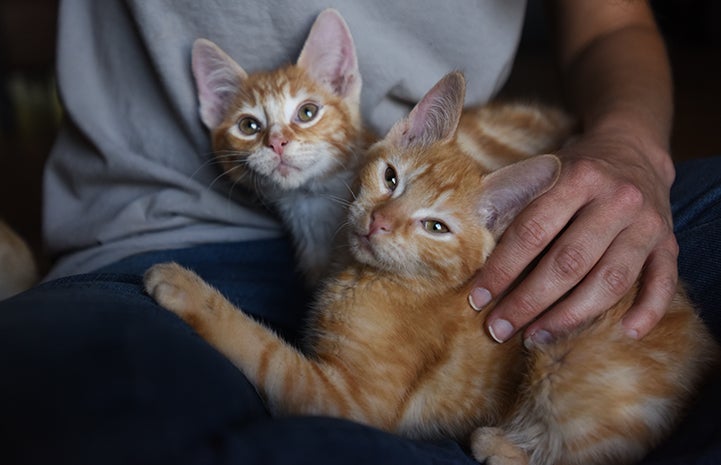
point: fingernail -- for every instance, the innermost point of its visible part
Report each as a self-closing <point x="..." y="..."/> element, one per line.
<point x="500" y="330"/>
<point x="539" y="338"/>
<point x="632" y="333"/>
<point x="479" y="298"/>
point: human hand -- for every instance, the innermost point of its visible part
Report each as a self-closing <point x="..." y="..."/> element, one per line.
<point x="610" y="216"/>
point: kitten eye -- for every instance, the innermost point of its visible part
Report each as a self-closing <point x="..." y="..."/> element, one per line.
<point x="249" y="126"/>
<point x="435" y="226"/>
<point x="391" y="178"/>
<point x="307" y="112"/>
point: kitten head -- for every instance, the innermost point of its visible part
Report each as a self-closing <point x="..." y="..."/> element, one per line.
<point x="425" y="209"/>
<point x="284" y="128"/>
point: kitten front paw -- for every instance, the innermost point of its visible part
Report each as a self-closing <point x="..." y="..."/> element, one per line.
<point x="490" y="446"/>
<point x="176" y="288"/>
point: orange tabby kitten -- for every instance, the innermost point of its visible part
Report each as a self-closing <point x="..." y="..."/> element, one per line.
<point x="393" y="343"/>
<point x="292" y="136"/>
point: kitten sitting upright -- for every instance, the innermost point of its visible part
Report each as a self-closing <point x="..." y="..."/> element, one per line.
<point x="292" y="136"/>
<point x="393" y="344"/>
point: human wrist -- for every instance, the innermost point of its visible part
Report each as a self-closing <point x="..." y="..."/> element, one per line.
<point x="649" y="141"/>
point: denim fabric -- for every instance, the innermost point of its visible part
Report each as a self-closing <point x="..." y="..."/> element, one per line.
<point x="93" y="371"/>
<point x="696" y="206"/>
<point x="258" y="276"/>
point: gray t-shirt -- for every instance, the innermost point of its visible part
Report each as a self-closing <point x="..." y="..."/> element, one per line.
<point x="131" y="171"/>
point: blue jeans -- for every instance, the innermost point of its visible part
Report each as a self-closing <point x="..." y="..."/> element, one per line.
<point x="93" y="371"/>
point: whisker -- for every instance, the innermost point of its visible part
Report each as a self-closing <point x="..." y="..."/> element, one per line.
<point x="339" y="162"/>
<point x="258" y="190"/>
<point x="350" y="190"/>
<point x="342" y="248"/>
<point x="337" y="199"/>
<point x="218" y="157"/>
<point x="232" y="187"/>
<point x="223" y="174"/>
<point x="343" y="226"/>
<point x="201" y="166"/>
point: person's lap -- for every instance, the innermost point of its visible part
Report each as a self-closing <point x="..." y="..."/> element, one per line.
<point x="95" y="372"/>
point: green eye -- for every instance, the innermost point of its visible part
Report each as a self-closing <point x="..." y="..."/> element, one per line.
<point x="391" y="178"/>
<point x="435" y="226"/>
<point x="307" y="112"/>
<point x="249" y="126"/>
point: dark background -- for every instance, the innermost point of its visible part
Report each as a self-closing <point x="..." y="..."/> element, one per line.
<point x="30" y="112"/>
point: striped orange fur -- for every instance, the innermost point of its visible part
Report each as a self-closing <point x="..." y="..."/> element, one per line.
<point x="393" y="342"/>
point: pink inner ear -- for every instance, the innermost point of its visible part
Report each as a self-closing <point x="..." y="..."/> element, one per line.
<point x="435" y="118"/>
<point x="329" y="55"/>
<point x="218" y="78"/>
<point x="507" y="191"/>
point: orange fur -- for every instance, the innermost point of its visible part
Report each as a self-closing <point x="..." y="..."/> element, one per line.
<point x="394" y="344"/>
<point x="501" y="133"/>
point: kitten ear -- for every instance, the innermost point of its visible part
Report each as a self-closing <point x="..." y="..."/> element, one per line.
<point x="329" y="55"/>
<point x="435" y="118"/>
<point x="218" y="78"/>
<point x="510" y="189"/>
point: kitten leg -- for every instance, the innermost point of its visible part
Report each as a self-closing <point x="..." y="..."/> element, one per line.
<point x="180" y="291"/>
<point x="492" y="447"/>
<point x="582" y="405"/>
<point x="288" y="380"/>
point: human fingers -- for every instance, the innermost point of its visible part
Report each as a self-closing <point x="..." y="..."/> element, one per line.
<point x="527" y="236"/>
<point x="659" y="284"/>
<point x="604" y="286"/>
<point x="567" y="263"/>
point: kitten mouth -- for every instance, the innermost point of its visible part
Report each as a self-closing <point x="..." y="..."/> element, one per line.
<point x="363" y="244"/>
<point x="364" y="241"/>
<point x="285" y="169"/>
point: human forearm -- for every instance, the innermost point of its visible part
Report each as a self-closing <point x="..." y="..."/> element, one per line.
<point x="617" y="73"/>
<point x="632" y="96"/>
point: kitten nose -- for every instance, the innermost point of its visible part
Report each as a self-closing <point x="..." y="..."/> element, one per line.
<point x="277" y="143"/>
<point x="379" y="224"/>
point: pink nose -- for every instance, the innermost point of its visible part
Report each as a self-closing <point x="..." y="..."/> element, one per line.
<point x="277" y="143"/>
<point x="379" y="224"/>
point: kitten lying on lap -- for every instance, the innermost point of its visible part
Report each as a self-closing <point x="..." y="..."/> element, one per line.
<point x="292" y="136"/>
<point x="394" y="344"/>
